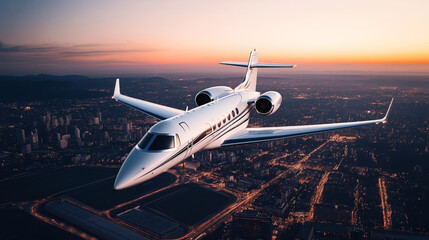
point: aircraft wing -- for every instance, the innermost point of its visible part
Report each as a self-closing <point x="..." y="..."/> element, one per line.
<point x="155" y="110"/>
<point x="255" y="135"/>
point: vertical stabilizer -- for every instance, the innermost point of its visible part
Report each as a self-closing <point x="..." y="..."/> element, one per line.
<point x="249" y="83"/>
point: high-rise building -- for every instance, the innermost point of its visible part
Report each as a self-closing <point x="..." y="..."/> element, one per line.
<point x="68" y="119"/>
<point x="66" y="137"/>
<point x="54" y="121"/>
<point x="48" y="121"/>
<point x="62" y="144"/>
<point x="76" y="133"/>
<point x="77" y="136"/>
<point x="20" y="135"/>
<point x="106" y="136"/>
<point x="99" y="115"/>
<point x="26" y="148"/>
<point x="251" y="225"/>
<point x="128" y="127"/>
<point x="34" y="138"/>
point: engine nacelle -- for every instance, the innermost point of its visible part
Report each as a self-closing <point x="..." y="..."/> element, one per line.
<point x="210" y="94"/>
<point x="268" y="103"/>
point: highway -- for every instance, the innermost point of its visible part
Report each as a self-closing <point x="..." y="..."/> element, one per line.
<point x="385" y="206"/>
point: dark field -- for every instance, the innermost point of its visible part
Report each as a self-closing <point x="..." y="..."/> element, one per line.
<point x="50" y="182"/>
<point x="189" y="203"/>
<point x="17" y="224"/>
<point x="102" y="196"/>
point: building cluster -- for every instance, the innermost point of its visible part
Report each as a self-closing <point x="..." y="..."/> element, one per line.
<point x="334" y="192"/>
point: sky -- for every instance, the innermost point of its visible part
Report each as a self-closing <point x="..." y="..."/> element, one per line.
<point x="154" y="37"/>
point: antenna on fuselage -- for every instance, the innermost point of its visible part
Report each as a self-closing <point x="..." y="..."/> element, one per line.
<point x="186" y="109"/>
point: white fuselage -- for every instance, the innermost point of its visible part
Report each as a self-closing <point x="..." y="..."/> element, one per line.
<point x="204" y="127"/>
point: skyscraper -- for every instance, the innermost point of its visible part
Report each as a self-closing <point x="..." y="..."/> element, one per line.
<point x="76" y="133"/>
<point x="20" y="135"/>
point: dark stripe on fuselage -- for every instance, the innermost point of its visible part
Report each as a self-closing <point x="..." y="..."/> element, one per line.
<point x="224" y="127"/>
<point x="238" y="118"/>
<point x="233" y="128"/>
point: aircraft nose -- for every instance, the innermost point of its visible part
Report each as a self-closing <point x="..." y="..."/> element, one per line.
<point x="134" y="167"/>
<point x="123" y="180"/>
<point x="129" y="170"/>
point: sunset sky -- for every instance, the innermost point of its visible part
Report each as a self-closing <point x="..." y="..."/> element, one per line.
<point x="150" y="37"/>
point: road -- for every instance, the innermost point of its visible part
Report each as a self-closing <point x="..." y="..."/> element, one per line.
<point x="385" y="206"/>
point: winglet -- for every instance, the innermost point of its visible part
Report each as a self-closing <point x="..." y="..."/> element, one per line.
<point x="117" y="91"/>
<point x="388" y="110"/>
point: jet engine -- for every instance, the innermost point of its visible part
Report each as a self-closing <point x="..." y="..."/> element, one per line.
<point x="268" y="103"/>
<point x="210" y="94"/>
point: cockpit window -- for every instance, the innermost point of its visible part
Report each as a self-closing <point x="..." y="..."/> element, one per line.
<point x="162" y="142"/>
<point x="145" y="140"/>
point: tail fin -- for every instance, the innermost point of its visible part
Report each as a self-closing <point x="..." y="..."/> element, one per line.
<point x="249" y="82"/>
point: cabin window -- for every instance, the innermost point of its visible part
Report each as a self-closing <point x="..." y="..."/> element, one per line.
<point x="209" y="129"/>
<point x="218" y="123"/>
<point x="233" y="114"/>
<point x="178" y="140"/>
<point x="224" y="119"/>
<point x="229" y="117"/>
<point x="236" y="110"/>
<point x="162" y="142"/>
<point x="145" y="140"/>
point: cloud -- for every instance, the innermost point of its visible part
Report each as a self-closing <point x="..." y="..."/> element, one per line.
<point x="19" y="48"/>
<point x="55" y="58"/>
<point x="62" y="53"/>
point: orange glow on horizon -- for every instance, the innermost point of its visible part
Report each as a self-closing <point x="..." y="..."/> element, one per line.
<point x="210" y="57"/>
<point x="125" y="35"/>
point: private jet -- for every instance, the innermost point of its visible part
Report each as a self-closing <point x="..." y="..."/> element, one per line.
<point x="219" y="120"/>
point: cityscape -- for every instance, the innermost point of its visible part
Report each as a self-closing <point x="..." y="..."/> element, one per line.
<point x="64" y="138"/>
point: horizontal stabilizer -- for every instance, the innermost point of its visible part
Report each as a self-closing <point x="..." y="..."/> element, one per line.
<point x="271" y="65"/>
<point x="258" y="65"/>
<point x="237" y="64"/>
